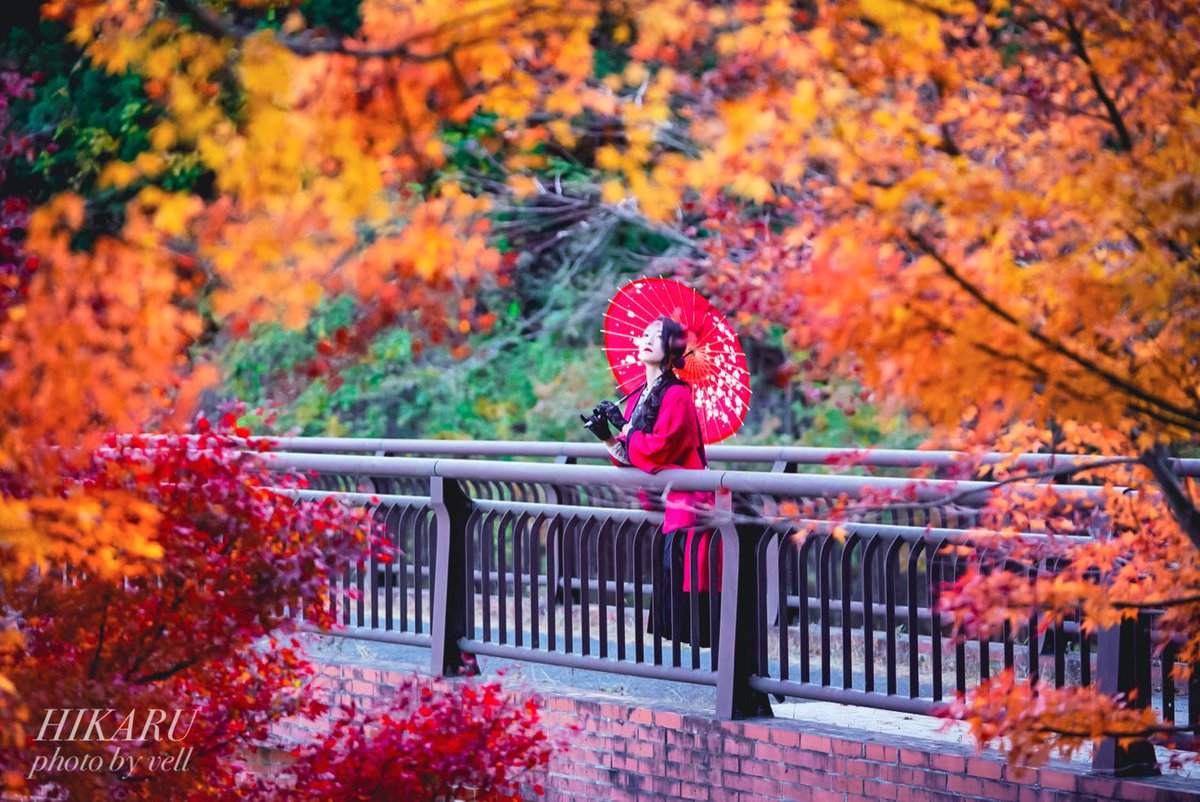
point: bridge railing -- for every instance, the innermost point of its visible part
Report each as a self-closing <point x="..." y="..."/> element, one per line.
<point x="781" y="459"/>
<point x="526" y="561"/>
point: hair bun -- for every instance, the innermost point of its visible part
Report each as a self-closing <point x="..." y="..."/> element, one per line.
<point x="678" y="363"/>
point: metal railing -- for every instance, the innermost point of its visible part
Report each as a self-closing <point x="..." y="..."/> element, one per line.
<point x="558" y="564"/>
<point x="782" y="459"/>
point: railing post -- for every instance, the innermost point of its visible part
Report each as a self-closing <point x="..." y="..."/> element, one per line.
<point x="739" y="616"/>
<point x="451" y="583"/>
<point x="1123" y="666"/>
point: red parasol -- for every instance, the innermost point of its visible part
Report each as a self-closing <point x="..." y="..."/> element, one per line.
<point x="715" y="366"/>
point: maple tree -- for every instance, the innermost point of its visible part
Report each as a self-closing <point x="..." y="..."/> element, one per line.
<point x="1007" y="232"/>
<point x="201" y="620"/>
<point x="426" y="745"/>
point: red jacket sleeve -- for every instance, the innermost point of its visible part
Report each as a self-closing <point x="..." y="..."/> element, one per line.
<point x="673" y="437"/>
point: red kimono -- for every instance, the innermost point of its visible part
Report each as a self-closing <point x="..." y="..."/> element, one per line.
<point x="675" y="443"/>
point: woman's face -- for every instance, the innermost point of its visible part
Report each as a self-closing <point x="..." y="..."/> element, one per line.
<point x="649" y="345"/>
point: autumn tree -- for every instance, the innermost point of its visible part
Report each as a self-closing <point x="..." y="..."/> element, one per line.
<point x="274" y="164"/>
<point x="1007" y="233"/>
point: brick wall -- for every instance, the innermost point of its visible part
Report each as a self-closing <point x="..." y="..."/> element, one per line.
<point x="628" y="752"/>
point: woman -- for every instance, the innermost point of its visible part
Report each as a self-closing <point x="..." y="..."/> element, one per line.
<point x="663" y="431"/>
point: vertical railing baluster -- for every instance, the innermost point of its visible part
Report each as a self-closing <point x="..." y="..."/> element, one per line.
<point x="602" y="584"/>
<point x="848" y="547"/>
<point x="869" y="561"/>
<point x="915" y="550"/>
<point x="569" y="547"/>
<point x="739" y="629"/>
<point x="553" y="537"/>
<point x="583" y="552"/>
<point x="934" y="565"/>
<point x="639" y="599"/>
<point x="1124" y="668"/>
<point x="537" y="526"/>
<point x="519" y="527"/>
<point x="783" y="562"/>
<point x="824" y="592"/>
<point x="892" y="563"/>
<point x="452" y="577"/>
<point x="620" y="580"/>
<point x="802" y="592"/>
<point x="503" y="527"/>
<point x="486" y="551"/>
<point x="1166" y="664"/>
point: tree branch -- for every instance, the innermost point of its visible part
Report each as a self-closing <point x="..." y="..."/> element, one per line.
<point x="1075" y="35"/>
<point x="1192" y="418"/>
<point x="1179" y="501"/>
<point x="1157" y="604"/>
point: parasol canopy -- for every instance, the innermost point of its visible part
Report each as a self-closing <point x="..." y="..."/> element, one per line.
<point x="715" y="365"/>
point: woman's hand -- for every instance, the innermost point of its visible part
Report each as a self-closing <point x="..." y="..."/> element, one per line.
<point x="626" y="429"/>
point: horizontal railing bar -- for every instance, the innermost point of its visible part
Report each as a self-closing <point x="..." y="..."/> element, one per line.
<point x="367" y="633"/>
<point x="846" y="696"/>
<point x="805" y="455"/>
<point x="921" y="533"/>
<point x="356" y="498"/>
<point x="587" y="663"/>
<point x="798" y="484"/>
<point x="566" y="510"/>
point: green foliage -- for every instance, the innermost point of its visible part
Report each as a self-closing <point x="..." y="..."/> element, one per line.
<point x="339" y="16"/>
<point x="80" y="120"/>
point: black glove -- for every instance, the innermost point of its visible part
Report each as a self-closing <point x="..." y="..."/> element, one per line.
<point x="612" y="413"/>
<point x="597" y="424"/>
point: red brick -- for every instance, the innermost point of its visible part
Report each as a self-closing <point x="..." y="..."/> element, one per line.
<point x="912" y="757"/>
<point x="827" y="796"/>
<point x="693" y="791"/>
<point x="757" y="732"/>
<point x="848" y="748"/>
<point x="1021" y="775"/>
<point x="1029" y="795"/>
<point x="614" y="712"/>
<point x="951" y="763"/>
<point x="878" y="790"/>
<point x="756" y="768"/>
<point x="767" y="752"/>
<point x="765" y="786"/>
<point x="958" y="784"/>
<point x="886" y="754"/>
<point x="567" y="705"/>
<point x="985" y="769"/>
<point x="641" y="749"/>
<point x="1058" y="780"/>
<point x="999" y="792"/>
<point x="814" y="743"/>
<point x="785" y="737"/>
<point x="862" y="768"/>
<point x="671" y="721"/>
<point x="933" y="780"/>
<point x="739" y="748"/>
<point x="1138" y="792"/>
<point x="898" y="775"/>
<point x="850" y="785"/>
<point x="641" y="715"/>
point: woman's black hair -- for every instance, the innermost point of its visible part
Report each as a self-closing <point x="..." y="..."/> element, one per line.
<point x="674" y="343"/>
